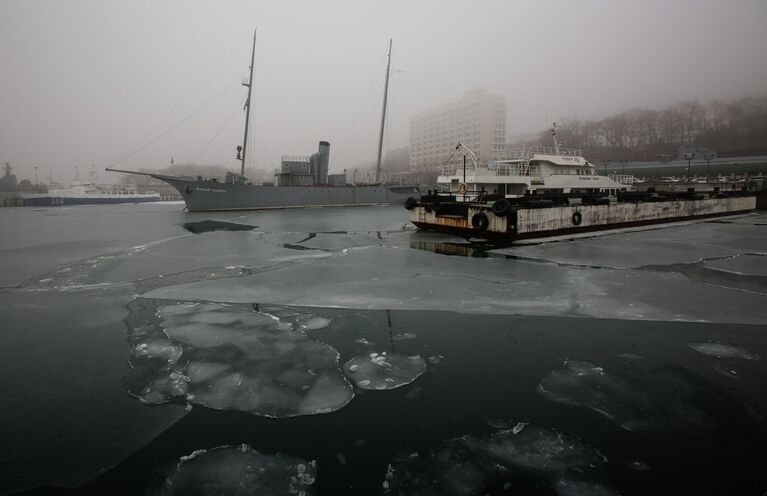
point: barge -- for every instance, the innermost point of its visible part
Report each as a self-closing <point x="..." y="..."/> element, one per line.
<point x="541" y="216"/>
<point x="540" y="193"/>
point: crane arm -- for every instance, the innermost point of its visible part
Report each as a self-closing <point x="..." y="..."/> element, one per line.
<point x="470" y="153"/>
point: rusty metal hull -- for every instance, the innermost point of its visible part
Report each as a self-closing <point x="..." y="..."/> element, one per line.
<point x="530" y="223"/>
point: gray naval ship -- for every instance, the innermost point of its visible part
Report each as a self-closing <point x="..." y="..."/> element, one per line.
<point x="299" y="182"/>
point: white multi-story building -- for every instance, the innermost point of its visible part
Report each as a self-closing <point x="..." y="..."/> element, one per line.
<point x="478" y="120"/>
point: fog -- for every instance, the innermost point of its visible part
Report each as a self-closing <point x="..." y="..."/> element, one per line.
<point x="85" y="82"/>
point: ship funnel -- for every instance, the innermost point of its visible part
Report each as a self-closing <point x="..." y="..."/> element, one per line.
<point x="319" y="163"/>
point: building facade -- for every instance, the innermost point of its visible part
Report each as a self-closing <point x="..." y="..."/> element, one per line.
<point x="478" y="120"/>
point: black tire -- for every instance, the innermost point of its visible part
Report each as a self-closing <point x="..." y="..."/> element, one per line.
<point x="479" y="221"/>
<point x="427" y="208"/>
<point x="189" y="190"/>
<point x="577" y="218"/>
<point x="501" y="207"/>
<point x="437" y="208"/>
<point x="411" y="203"/>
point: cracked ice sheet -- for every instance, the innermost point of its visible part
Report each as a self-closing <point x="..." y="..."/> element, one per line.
<point x="405" y="279"/>
<point x="238" y="470"/>
<point x="322" y="220"/>
<point x="676" y="244"/>
<point x="228" y="358"/>
<point x="172" y="256"/>
<point x="325" y="241"/>
<point x="752" y="265"/>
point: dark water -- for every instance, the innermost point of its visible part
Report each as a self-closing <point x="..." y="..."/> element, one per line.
<point x="594" y="365"/>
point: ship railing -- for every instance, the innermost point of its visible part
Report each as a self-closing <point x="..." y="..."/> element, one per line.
<point x="623" y="178"/>
<point x="471" y="196"/>
<point x="516" y="154"/>
<point x="294" y="158"/>
<point x="517" y="169"/>
<point x="495" y="169"/>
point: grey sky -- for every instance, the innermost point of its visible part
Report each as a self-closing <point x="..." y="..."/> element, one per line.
<point x="81" y="82"/>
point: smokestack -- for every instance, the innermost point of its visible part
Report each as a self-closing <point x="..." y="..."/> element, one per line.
<point x="319" y="163"/>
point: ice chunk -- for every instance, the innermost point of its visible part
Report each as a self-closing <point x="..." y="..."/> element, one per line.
<point x="573" y="487"/>
<point x="720" y="350"/>
<point x="436" y="359"/>
<point x="382" y="371"/>
<point x="239" y="470"/>
<point x="630" y="404"/>
<point x="640" y="466"/>
<point x="726" y="371"/>
<point x="404" y="336"/>
<point x="235" y="359"/>
<point x="315" y="323"/>
<point x="471" y="465"/>
<point x="518" y="428"/>
<point x="577" y="367"/>
<point x="539" y="449"/>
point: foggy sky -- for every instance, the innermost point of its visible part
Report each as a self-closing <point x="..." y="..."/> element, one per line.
<point x="82" y="82"/>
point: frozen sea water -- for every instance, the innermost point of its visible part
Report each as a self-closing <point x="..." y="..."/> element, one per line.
<point x="418" y="280"/>
<point x="676" y="244"/>
<point x="229" y="358"/>
<point x="239" y="470"/>
<point x="70" y="419"/>
<point x="379" y="371"/>
<point x="479" y="465"/>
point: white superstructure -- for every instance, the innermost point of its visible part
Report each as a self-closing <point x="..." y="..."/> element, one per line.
<point x="530" y="169"/>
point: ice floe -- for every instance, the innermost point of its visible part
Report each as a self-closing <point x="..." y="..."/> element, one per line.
<point x="230" y="358"/>
<point x="380" y="371"/>
<point x="629" y="403"/>
<point x="239" y="470"/>
<point x="471" y="465"/>
<point x="721" y="350"/>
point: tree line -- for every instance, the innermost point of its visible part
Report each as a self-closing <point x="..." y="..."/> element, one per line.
<point x="728" y="127"/>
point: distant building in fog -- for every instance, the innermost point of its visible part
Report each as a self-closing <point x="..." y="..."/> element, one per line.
<point x="397" y="160"/>
<point x="478" y="120"/>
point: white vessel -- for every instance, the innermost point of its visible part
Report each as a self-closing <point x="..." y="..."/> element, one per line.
<point x="88" y="193"/>
<point x="530" y="170"/>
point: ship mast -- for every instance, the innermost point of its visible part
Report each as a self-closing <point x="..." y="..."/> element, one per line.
<point x="383" y="118"/>
<point x="247" y="111"/>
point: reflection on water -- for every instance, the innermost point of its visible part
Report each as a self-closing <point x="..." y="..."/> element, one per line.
<point x="477" y="250"/>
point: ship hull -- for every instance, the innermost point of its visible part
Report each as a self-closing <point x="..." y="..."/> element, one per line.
<point x="535" y="223"/>
<point x="201" y="196"/>
<point x="58" y="201"/>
